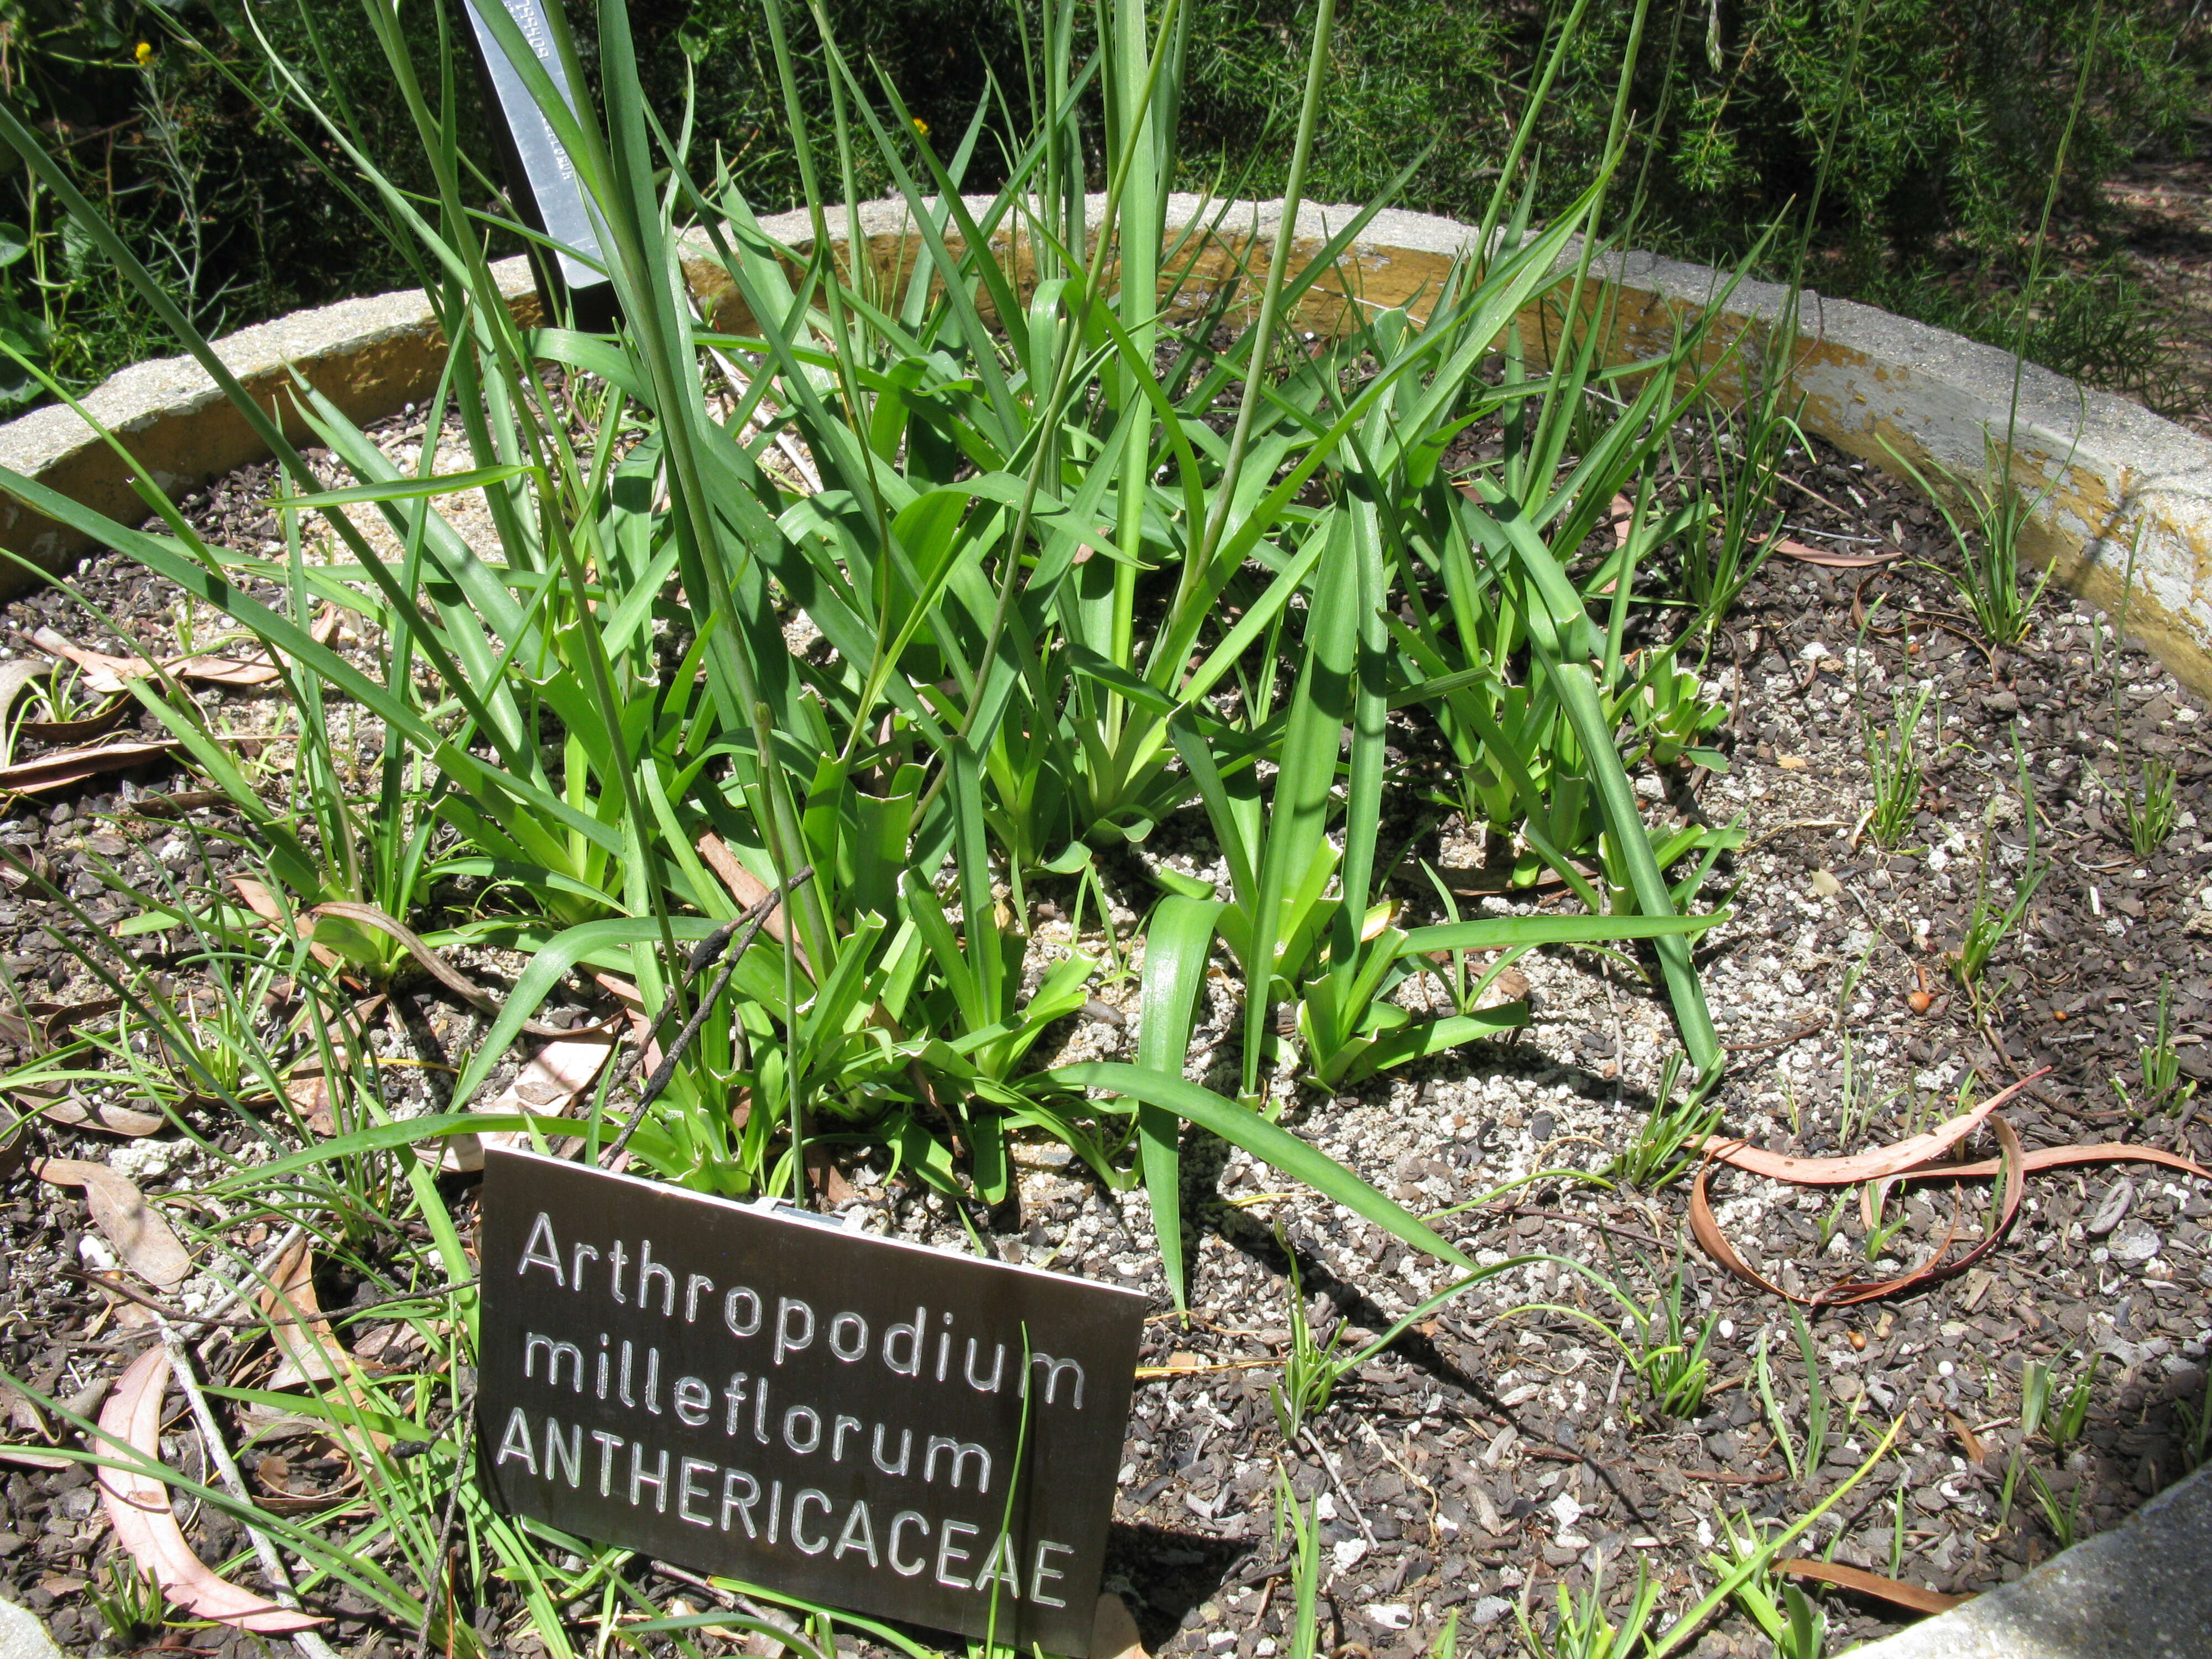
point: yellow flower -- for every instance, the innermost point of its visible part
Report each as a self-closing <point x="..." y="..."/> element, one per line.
<point x="921" y="126"/>
<point x="145" y="53"/>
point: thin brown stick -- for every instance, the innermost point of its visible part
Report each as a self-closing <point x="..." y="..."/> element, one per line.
<point x="744" y="929"/>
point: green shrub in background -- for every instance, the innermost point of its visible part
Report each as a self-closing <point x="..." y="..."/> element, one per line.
<point x="158" y="111"/>
<point x="1944" y="136"/>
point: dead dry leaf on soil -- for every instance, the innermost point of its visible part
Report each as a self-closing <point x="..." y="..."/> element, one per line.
<point x="16" y="674"/>
<point x="1791" y="549"/>
<point x="25" y="1417"/>
<point x="1847" y="1292"/>
<point x="641" y="1024"/>
<point x="1908" y="1160"/>
<point x="30" y="1457"/>
<point x="69" y="766"/>
<point x="258" y="899"/>
<point x="1892" y="1591"/>
<point x="745" y="887"/>
<point x="76" y="1113"/>
<point x="1862" y="1166"/>
<point x="109" y="674"/>
<point x="119" y="1210"/>
<point x="138" y="1507"/>
<point x="1969" y="1442"/>
<point x="98" y="724"/>
<point x="303" y="1335"/>
<point x="548" y="1085"/>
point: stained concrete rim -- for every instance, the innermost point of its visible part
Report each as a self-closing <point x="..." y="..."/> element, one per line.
<point x="1930" y="393"/>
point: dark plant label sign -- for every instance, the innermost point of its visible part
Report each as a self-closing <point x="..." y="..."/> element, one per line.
<point x="759" y="1392"/>
<point x="540" y="176"/>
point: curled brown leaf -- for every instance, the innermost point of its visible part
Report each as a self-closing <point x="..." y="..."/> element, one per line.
<point x="1895" y="1591"/>
<point x="367" y="916"/>
<point x="137" y="1508"/>
<point x="547" y="1086"/>
<point x="1862" y="1166"/>
<point x="119" y="1210"/>
<point x="68" y="766"/>
<point x="109" y="674"/>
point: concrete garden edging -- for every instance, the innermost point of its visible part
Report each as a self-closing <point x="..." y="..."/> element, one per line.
<point x="2122" y="483"/>
<point x="2136" y="1592"/>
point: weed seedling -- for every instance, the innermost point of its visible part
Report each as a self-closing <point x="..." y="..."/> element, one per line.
<point x="1816" y="1403"/>
<point x="1897" y="760"/>
<point x="1724" y="547"/>
<point x="1989" y="553"/>
<point x="1897" y="1530"/>
<point x="1302" y="1523"/>
<point x="1656" y="1157"/>
<point x="1881" y="1232"/>
<point x="1672" y="1365"/>
<point x="1581" y="1631"/>
<point x="1806" y="1635"/>
<point x="2011" y="1485"/>
<point x="2035" y="1396"/>
<point x="2196" y="1426"/>
<point x="2150" y="808"/>
<point x="1311" y="1370"/>
<point x="1828" y="1223"/>
<point x="2074" y="1416"/>
<point x="2158" y="1064"/>
<point x="1991" y="921"/>
<point x="1765" y="1372"/>
<point x="1790" y="1619"/>
<point x="132" y="1604"/>
<point x="2064" y="1520"/>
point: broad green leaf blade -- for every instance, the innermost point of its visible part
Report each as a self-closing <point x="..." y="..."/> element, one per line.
<point x="1175" y="948"/>
<point x="1498" y="932"/>
<point x="406" y="490"/>
<point x="1270" y="1143"/>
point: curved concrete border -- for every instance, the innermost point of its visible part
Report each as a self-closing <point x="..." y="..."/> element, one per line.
<point x="371" y="357"/>
<point x="2122" y="483"/>
<point x="2136" y="1592"/>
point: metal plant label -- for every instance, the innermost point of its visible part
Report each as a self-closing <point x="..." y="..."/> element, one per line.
<point x="541" y="178"/>
<point x="760" y="1393"/>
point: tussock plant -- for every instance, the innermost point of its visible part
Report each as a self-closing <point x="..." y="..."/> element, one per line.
<point x="1898" y="757"/>
<point x="857" y="593"/>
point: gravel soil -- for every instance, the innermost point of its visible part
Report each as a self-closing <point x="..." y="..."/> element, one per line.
<point x="1482" y="1459"/>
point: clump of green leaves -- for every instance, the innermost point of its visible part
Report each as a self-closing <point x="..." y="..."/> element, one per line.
<point x="1734" y="526"/>
<point x="1995" y="915"/>
<point x="1803" y="1461"/>
<point x="2039" y="1382"/>
<point x="2151" y="807"/>
<point x="1045" y="604"/>
<point x="2158" y="1064"/>
<point x="1581" y="1629"/>
<point x="1987" y="517"/>
<point x="1671" y="1132"/>
<point x="129" y="1601"/>
<point x="2063" y="1517"/>
<point x="1669" y="1357"/>
<point x="1897" y="761"/>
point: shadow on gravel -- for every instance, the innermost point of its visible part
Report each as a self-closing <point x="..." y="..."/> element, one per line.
<point x="1170" y="1574"/>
